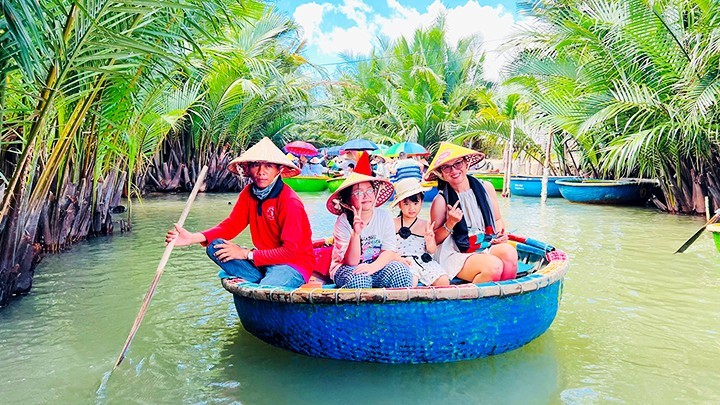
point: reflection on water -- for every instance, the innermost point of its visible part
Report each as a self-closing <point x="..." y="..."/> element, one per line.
<point x="637" y="324"/>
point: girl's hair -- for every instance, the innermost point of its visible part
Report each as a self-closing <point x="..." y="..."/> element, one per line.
<point x="415" y="197"/>
<point x="345" y="196"/>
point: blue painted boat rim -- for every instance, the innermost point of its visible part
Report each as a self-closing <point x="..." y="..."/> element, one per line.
<point x="534" y="178"/>
<point x="597" y="183"/>
<point x="550" y="274"/>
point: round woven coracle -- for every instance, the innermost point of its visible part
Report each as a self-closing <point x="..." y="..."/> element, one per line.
<point x="405" y="325"/>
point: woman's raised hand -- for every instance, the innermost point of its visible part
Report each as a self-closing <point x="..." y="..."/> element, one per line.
<point x="454" y="215"/>
<point x="358" y="223"/>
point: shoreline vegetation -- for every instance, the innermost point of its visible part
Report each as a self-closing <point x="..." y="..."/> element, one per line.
<point x="129" y="97"/>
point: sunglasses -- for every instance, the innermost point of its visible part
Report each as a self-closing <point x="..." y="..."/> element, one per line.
<point x="445" y="169"/>
<point x="367" y="193"/>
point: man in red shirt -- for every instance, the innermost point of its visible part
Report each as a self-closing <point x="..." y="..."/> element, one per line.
<point x="279" y="225"/>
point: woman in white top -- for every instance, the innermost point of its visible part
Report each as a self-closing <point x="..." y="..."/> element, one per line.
<point x="470" y="231"/>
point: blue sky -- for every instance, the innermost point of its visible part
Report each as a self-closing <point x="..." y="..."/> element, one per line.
<point x="334" y="27"/>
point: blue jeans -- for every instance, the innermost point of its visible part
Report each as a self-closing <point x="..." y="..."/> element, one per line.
<point x="279" y="275"/>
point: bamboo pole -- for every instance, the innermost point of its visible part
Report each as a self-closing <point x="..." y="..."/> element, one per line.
<point x="546" y="169"/>
<point x="159" y="271"/>
<point x="707" y="208"/>
<point x="508" y="162"/>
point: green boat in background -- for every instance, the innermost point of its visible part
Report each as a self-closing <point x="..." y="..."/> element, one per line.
<point x="497" y="179"/>
<point x="715" y="230"/>
<point x="334" y="183"/>
<point x="307" y="183"/>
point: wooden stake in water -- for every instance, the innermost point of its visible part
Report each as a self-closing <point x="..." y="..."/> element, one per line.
<point x="546" y="169"/>
<point x="160" y="269"/>
<point x="707" y="208"/>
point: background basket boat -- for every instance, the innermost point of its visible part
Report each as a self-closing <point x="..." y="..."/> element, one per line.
<point x="497" y="179"/>
<point x="531" y="186"/>
<point x="334" y="183"/>
<point x="593" y="191"/>
<point x="307" y="183"/>
<point x="714" y="229"/>
<point x="407" y="325"/>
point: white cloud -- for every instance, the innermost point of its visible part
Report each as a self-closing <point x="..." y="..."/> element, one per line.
<point x="353" y="40"/>
<point x="492" y="24"/>
<point x="309" y="16"/>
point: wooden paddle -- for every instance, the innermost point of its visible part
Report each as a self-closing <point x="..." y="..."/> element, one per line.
<point x="698" y="233"/>
<point x="160" y="268"/>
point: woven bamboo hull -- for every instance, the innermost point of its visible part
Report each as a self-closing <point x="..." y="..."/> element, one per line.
<point x="307" y="183"/>
<point x="418" y="325"/>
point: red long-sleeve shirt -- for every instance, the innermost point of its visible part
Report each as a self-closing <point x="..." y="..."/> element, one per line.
<point x="279" y="228"/>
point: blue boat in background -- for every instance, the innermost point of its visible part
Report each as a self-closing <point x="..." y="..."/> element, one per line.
<point x="593" y="191"/>
<point x="430" y="194"/>
<point x="531" y="186"/>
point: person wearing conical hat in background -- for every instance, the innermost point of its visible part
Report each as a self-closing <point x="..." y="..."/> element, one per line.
<point x="469" y="229"/>
<point x="378" y="165"/>
<point x="363" y="254"/>
<point x="416" y="237"/>
<point x="279" y="225"/>
<point x="313" y="168"/>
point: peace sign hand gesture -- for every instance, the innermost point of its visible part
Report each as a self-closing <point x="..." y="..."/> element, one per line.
<point x="358" y="224"/>
<point x="430" y="230"/>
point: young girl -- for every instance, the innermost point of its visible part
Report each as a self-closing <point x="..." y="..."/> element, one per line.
<point x="416" y="237"/>
<point x="364" y="249"/>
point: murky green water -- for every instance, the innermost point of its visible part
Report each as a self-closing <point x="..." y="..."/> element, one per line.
<point x="636" y="324"/>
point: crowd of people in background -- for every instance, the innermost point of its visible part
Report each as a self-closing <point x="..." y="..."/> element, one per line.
<point x="391" y="168"/>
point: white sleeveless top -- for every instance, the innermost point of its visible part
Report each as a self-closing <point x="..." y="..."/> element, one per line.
<point x="448" y="254"/>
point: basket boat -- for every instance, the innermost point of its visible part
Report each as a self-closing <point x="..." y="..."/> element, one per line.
<point x="715" y="230"/>
<point x="334" y="183"/>
<point x="430" y="194"/>
<point x="307" y="183"/>
<point x="497" y="179"/>
<point x="605" y="191"/>
<point x="406" y="325"/>
<point x="531" y="186"/>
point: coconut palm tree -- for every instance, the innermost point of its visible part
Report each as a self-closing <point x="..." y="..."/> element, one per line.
<point x="254" y="85"/>
<point x="413" y="89"/>
<point x="80" y="104"/>
<point x="636" y="85"/>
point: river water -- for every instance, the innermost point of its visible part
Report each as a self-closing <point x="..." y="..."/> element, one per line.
<point x="637" y="324"/>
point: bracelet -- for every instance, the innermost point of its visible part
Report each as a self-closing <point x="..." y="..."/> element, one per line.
<point x="449" y="231"/>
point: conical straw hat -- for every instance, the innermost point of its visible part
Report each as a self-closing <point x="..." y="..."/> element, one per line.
<point x="449" y="152"/>
<point x="406" y="188"/>
<point x="264" y="151"/>
<point x="384" y="190"/>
